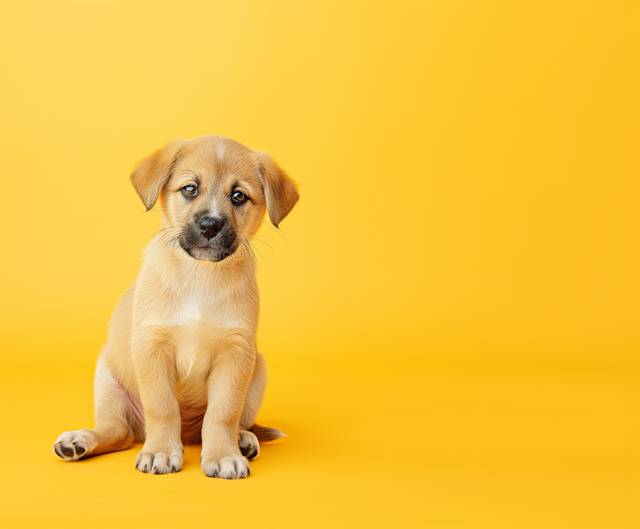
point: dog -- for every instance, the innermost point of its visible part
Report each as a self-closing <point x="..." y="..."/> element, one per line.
<point x="181" y="364"/>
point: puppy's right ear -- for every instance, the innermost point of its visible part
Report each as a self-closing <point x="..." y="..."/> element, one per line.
<point x="152" y="173"/>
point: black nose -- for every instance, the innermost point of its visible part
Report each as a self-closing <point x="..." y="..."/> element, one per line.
<point x="209" y="227"/>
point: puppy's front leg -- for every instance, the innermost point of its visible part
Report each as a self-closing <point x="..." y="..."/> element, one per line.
<point x="227" y="387"/>
<point x="154" y="361"/>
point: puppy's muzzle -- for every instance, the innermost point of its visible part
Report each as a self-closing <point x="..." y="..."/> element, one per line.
<point x="210" y="227"/>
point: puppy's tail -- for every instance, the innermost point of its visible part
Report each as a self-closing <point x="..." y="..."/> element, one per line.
<point x="266" y="434"/>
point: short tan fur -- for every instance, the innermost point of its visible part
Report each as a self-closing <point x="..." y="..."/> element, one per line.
<point x="181" y="363"/>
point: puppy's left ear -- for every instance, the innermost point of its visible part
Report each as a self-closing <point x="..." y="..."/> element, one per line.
<point x="152" y="173"/>
<point x="280" y="191"/>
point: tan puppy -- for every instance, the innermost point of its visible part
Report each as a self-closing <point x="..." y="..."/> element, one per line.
<point x="181" y="363"/>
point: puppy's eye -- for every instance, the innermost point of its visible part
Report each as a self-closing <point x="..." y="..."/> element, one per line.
<point x="239" y="198"/>
<point x="190" y="191"/>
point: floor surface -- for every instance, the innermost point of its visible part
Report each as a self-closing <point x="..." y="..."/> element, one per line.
<point x="368" y="447"/>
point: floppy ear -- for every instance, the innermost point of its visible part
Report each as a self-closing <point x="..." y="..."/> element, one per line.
<point x="152" y="173"/>
<point x="280" y="191"/>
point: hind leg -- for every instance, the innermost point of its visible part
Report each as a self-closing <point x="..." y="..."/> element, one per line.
<point x="112" y="432"/>
<point x="249" y="445"/>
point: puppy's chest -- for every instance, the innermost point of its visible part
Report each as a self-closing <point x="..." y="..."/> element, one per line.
<point x="199" y="326"/>
<point x="197" y="308"/>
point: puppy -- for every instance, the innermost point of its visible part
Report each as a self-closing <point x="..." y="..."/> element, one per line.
<point x="181" y="363"/>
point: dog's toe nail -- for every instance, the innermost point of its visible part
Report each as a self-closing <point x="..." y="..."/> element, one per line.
<point x="245" y="450"/>
<point x="252" y="455"/>
<point x="66" y="450"/>
<point x="80" y="450"/>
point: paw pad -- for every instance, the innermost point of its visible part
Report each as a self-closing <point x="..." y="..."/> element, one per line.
<point x="75" y="445"/>
<point x="69" y="452"/>
<point x="249" y="444"/>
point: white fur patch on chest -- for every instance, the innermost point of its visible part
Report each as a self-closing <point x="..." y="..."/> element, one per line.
<point x="187" y="311"/>
<point x="193" y="306"/>
<point x="192" y="316"/>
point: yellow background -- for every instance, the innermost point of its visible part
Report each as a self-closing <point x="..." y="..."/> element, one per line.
<point x="451" y="323"/>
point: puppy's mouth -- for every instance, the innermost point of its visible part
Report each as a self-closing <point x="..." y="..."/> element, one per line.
<point x="214" y="248"/>
<point x="208" y="253"/>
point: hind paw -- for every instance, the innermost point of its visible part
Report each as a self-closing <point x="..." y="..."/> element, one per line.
<point x="75" y="445"/>
<point x="249" y="445"/>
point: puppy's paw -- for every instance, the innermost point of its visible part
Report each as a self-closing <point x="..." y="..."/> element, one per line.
<point x="159" y="462"/>
<point x="75" y="445"/>
<point x="226" y="468"/>
<point x="249" y="445"/>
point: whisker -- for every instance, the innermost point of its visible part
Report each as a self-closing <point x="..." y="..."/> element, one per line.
<point x="246" y="244"/>
<point x="276" y="230"/>
<point x="173" y="241"/>
<point x="164" y="229"/>
<point x="260" y="240"/>
<point x="250" y="252"/>
<point x="170" y="233"/>
<point x="254" y="248"/>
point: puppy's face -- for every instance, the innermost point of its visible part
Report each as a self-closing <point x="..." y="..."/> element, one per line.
<point x="215" y="192"/>
<point x="215" y="197"/>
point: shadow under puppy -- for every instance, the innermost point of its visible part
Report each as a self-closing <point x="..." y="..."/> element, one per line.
<point x="181" y="363"/>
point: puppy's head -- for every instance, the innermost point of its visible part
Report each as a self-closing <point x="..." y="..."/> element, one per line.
<point x="214" y="192"/>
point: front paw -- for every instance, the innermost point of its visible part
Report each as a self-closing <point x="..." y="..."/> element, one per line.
<point x="152" y="462"/>
<point x="234" y="467"/>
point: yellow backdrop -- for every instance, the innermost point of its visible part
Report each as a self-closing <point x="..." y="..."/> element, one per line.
<point x="450" y="315"/>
